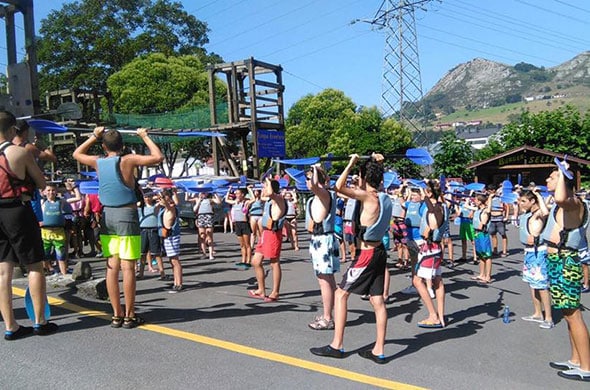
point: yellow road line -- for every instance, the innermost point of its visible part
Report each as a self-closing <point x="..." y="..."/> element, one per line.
<point x="233" y="347"/>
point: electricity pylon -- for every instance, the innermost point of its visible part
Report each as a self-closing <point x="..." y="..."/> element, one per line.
<point x="401" y="90"/>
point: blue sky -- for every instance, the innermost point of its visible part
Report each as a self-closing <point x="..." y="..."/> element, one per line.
<point x="318" y="46"/>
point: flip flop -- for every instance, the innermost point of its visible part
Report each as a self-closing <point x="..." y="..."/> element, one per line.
<point x="270" y="299"/>
<point x="478" y="278"/>
<point x="252" y="294"/>
<point x="429" y="325"/>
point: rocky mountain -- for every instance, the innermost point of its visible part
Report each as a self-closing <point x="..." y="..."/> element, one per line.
<point x="481" y="83"/>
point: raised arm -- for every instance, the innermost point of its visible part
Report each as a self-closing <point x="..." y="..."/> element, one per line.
<point x="77" y="196"/>
<point x="340" y="185"/>
<point x="81" y="153"/>
<point x="564" y="198"/>
<point x="154" y="158"/>
<point x="227" y="198"/>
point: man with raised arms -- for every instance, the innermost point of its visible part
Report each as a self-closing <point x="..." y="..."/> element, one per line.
<point x="367" y="272"/>
<point x="120" y="233"/>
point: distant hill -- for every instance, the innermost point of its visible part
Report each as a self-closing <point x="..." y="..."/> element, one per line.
<point x="481" y="85"/>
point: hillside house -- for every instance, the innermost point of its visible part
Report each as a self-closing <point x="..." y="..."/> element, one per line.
<point x="476" y="137"/>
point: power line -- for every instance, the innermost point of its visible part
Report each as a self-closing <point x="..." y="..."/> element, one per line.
<point x="471" y="49"/>
<point x="510" y="33"/>
<point x="325" y="47"/>
<point x="305" y="40"/>
<point x="262" y="24"/>
<point x="508" y="28"/>
<point x="300" y="25"/>
<point x="243" y="16"/>
<point x="223" y="9"/>
<point x="203" y="6"/>
<point x="552" y="12"/>
<point x="499" y="16"/>
<point x="572" y="6"/>
<point x="302" y="79"/>
<point x="481" y="42"/>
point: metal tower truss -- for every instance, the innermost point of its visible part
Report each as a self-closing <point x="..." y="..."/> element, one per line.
<point x="402" y="82"/>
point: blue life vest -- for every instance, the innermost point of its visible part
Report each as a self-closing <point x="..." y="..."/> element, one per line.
<point x="414" y="211"/>
<point x="268" y="223"/>
<point x="113" y="192"/>
<point x="327" y="225"/>
<point x="398" y="209"/>
<point x="477" y="221"/>
<point x="349" y="210"/>
<point x="376" y="231"/>
<point x="437" y="234"/>
<point x="465" y="212"/>
<point x="523" y="231"/>
<point x="237" y="212"/>
<point x="256" y="208"/>
<point x="497" y="204"/>
<point x="574" y="239"/>
<point x="147" y="217"/>
<point x="174" y="229"/>
<point x="53" y="215"/>
<point x="205" y="207"/>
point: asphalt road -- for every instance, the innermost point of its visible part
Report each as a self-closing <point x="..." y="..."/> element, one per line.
<point x="212" y="335"/>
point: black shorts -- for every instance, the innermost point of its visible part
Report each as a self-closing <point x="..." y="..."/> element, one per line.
<point x="498" y="227"/>
<point x="242" y="228"/>
<point x="150" y="240"/>
<point x="20" y="235"/>
<point x="366" y="274"/>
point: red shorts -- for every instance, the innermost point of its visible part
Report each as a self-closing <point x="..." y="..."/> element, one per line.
<point x="270" y="244"/>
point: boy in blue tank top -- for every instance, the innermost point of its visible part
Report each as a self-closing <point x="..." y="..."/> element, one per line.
<point x="120" y="232"/>
<point x="53" y="227"/>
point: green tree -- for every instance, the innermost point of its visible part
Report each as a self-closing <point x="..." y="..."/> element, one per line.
<point x="312" y="119"/>
<point x="86" y="41"/>
<point x="455" y="156"/>
<point x="562" y="130"/>
<point x="493" y="148"/>
<point x="329" y="122"/>
<point x="158" y="83"/>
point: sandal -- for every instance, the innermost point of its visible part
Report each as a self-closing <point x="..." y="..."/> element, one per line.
<point x="320" y="323"/>
<point x="132" y="322"/>
<point x="116" y="321"/>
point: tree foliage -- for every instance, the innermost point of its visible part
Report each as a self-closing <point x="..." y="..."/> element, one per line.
<point x="86" y="41"/>
<point x="493" y="148"/>
<point x="455" y="156"/>
<point x="312" y="119"/>
<point x="330" y="122"/>
<point x="562" y="130"/>
<point x="158" y="83"/>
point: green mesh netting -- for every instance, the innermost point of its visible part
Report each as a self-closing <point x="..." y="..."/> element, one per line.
<point x="193" y="118"/>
